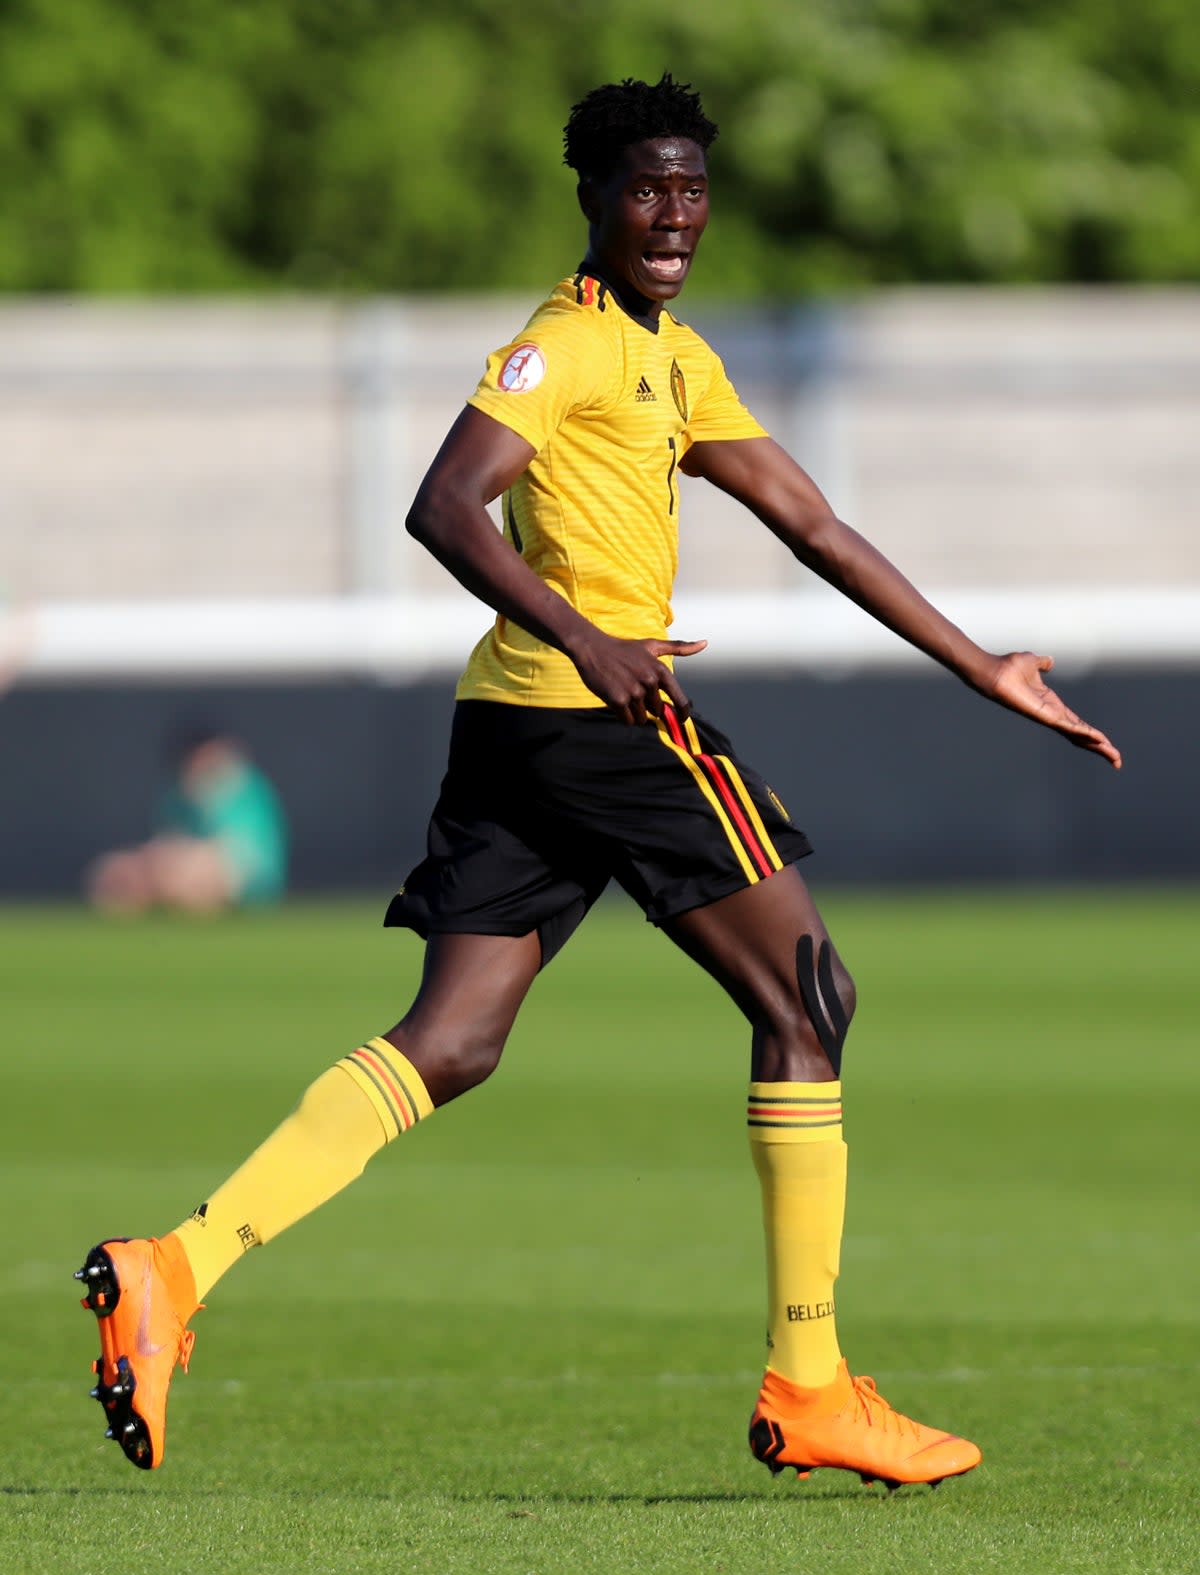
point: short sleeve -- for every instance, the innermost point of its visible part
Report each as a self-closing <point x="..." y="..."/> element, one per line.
<point x="562" y="363"/>
<point x="719" y="416"/>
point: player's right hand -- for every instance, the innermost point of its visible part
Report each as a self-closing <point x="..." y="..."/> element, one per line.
<point x="629" y="677"/>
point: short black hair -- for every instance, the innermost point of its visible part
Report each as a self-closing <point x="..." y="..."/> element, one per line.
<point x="608" y="119"/>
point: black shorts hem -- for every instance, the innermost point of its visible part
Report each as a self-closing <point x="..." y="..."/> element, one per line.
<point x="425" y="929"/>
<point x="699" y="893"/>
<point x="553" y="931"/>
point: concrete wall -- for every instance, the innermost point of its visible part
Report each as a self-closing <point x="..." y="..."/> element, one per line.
<point x="982" y="438"/>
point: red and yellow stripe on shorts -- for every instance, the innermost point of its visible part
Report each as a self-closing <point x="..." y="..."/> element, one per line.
<point x="721" y="783"/>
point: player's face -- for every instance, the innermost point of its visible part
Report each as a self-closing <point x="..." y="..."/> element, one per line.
<point x="648" y="216"/>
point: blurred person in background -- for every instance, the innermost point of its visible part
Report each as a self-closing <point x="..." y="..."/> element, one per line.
<point x="576" y="758"/>
<point x="220" y="840"/>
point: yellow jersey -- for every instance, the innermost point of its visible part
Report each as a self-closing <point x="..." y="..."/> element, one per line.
<point x="610" y="405"/>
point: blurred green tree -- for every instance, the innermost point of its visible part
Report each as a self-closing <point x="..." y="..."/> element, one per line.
<point x="385" y="145"/>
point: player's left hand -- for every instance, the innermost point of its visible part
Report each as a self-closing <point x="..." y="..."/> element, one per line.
<point x="1017" y="683"/>
<point x="629" y="675"/>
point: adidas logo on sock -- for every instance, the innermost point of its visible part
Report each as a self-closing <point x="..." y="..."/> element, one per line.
<point x="645" y="393"/>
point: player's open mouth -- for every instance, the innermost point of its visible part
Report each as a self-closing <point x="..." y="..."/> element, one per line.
<point x="665" y="265"/>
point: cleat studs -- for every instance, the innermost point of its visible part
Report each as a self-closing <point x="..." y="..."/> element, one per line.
<point x="78" y="1275"/>
<point x="108" y="1433"/>
<point x="94" y="1394"/>
<point x="130" y="1427"/>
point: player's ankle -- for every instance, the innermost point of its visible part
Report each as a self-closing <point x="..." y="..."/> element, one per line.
<point x="176" y="1269"/>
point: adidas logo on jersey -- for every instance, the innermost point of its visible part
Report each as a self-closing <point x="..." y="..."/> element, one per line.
<point x="645" y="393"/>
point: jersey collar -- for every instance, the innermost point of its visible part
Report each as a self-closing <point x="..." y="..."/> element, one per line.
<point x="632" y="303"/>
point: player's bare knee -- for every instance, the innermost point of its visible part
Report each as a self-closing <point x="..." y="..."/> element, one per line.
<point x="476" y="1059"/>
<point x="451" y="1064"/>
<point x="828" y="995"/>
<point x="847" y="990"/>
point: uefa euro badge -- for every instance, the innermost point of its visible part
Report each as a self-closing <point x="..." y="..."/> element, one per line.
<point x="523" y="370"/>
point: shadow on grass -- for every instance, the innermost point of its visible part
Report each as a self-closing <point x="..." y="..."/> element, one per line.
<point x="529" y="1501"/>
<point x="17" y="1490"/>
<point x="518" y="1503"/>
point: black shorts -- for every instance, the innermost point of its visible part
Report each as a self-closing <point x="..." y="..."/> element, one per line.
<point x="540" y="808"/>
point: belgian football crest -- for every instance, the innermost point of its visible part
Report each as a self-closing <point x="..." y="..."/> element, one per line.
<point x="678" y="389"/>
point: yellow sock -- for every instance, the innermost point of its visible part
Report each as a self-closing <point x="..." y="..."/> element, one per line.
<point x="796" y="1140"/>
<point x="349" y="1113"/>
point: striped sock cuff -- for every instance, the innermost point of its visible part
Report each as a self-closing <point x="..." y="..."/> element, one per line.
<point x="391" y="1082"/>
<point x="794" y="1112"/>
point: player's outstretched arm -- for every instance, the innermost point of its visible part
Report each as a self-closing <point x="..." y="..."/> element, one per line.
<point x="479" y="460"/>
<point x="768" y="481"/>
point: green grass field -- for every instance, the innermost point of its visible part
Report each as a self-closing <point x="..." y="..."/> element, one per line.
<point x="529" y="1339"/>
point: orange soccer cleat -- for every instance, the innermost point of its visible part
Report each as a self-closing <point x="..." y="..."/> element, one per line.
<point x="143" y="1294"/>
<point x="849" y="1425"/>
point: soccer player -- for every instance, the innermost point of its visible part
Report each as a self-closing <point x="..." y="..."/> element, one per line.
<point x="575" y="757"/>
